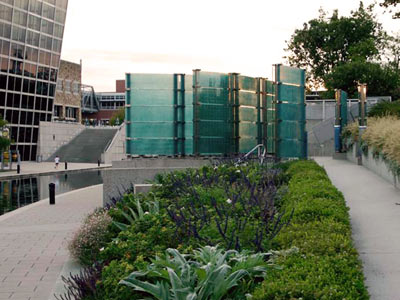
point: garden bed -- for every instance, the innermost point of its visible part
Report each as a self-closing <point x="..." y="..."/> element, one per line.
<point x="234" y="216"/>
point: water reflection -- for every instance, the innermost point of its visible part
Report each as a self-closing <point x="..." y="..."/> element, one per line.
<point x="21" y="192"/>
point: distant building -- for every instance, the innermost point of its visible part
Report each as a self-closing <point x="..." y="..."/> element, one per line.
<point x="31" y="35"/>
<point x="108" y="103"/>
<point x="67" y="103"/>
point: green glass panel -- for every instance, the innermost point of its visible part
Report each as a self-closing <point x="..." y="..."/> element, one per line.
<point x="247" y="83"/>
<point x="291" y="130"/>
<point x="291" y="112"/>
<point x="291" y="149"/>
<point x="270" y="87"/>
<point x="247" y="144"/>
<point x="215" y="129"/>
<point x="290" y="75"/>
<point x="152" y="113"/>
<point x="188" y="83"/>
<point x="270" y="115"/>
<point x="151" y="81"/>
<point x="248" y="129"/>
<point x="152" y="146"/>
<point x="248" y="99"/>
<point x="152" y="129"/>
<point x="291" y="94"/>
<point x="213" y="80"/>
<point x="151" y="97"/>
<point x="214" y="146"/>
<point x="247" y="114"/>
<point x="213" y="96"/>
<point x="215" y="112"/>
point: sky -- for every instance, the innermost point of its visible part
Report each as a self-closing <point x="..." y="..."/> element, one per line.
<point x="114" y="37"/>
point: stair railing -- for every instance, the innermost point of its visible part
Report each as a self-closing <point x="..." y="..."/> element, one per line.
<point x="261" y="153"/>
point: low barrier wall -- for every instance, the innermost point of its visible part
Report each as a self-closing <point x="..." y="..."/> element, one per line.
<point x="376" y="164"/>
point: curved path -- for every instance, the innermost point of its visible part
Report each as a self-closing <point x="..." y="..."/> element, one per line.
<point x="375" y="219"/>
<point x="33" y="243"/>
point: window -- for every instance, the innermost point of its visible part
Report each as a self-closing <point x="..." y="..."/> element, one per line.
<point x="59" y="85"/>
<point x="67" y="86"/>
<point x="18" y="34"/>
<point x="5" y="13"/>
<point x="33" y="38"/>
<point x="20" y="17"/>
<point x="75" y="88"/>
<point x="47" y="27"/>
<point x="48" y="11"/>
<point x="5" y="30"/>
<point x="34" y="22"/>
<point x="36" y="7"/>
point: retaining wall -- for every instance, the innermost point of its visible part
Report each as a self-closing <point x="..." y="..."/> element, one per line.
<point x="377" y="165"/>
<point x="117" y="149"/>
<point x="54" y="135"/>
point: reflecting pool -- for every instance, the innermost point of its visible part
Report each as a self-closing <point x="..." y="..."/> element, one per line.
<point x="17" y="193"/>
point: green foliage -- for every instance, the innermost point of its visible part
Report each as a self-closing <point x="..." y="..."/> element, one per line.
<point x="211" y="274"/>
<point x="391" y="4"/>
<point x="120" y="115"/>
<point x="4" y="141"/>
<point x="92" y="236"/>
<point x="132" y="215"/>
<point x="327" y="42"/>
<point x="327" y="265"/>
<point x="385" y="108"/>
<point x="381" y="80"/>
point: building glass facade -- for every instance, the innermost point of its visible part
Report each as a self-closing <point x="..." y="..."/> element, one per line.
<point x="31" y="33"/>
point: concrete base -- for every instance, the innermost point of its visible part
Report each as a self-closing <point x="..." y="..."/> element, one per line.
<point x="339" y="156"/>
<point x="126" y="174"/>
<point x="142" y="188"/>
<point x="376" y="164"/>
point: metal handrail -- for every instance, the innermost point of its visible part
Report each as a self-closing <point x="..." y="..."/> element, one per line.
<point x="261" y="154"/>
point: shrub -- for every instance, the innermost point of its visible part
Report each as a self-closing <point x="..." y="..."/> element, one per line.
<point x="327" y="265"/>
<point x="209" y="274"/>
<point x="385" y="108"/>
<point x="91" y="237"/>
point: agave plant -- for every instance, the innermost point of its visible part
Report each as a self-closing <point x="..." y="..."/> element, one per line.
<point x="153" y="207"/>
<point x="209" y="274"/>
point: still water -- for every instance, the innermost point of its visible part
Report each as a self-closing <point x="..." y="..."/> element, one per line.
<point x="17" y="193"/>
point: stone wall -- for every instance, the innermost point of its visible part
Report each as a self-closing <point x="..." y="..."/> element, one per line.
<point x="53" y="135"/>
<point x="68" y="92"/>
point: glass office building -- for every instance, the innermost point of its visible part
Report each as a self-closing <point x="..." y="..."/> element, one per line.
<point x="31" y="33"/>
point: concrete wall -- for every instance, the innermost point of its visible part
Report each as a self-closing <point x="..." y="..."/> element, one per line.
<point x="117" y="149"/>
<point x="377" y="165"/>
<point x="125" y="174"/>
<point x="52" y="136"/>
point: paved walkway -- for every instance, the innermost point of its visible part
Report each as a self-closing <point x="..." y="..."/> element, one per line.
<point x="375" y="218"/>
<point x="32" y="168"/>
<point x="33" y="243"/>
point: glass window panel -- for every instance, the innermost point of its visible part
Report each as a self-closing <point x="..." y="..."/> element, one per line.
<point x="52" y="90"/>
<point x="2" y="101"/>
<point x="8" y="119"/>
<point x="33" y="38"/>
<point x="24" y="101"/>
<point x="53" y="75"/>
<point x="60" y="16"/>
<point x="35" y="7"/>
<point x="32" y="85"/>
<point x="18" y="34"/>
<point x="31" y="101"/>
<point x="42" y="117"/>
<point x="5" y="13"/>
<point x="22" y="118"/>
<point x="44" y="58"/>
<point x="22" y="4"/>
<point x="29" y="118"/>
<point x="15" y="117"/>
<point x="3" y="81"/>
<point x="58" y="30"/>
<point x="62" y="3"/>
<point x="36" y="119"/>
<point x="34" y="22"/>
<point x="31" y="54"/>
<point x="25" y="86"/>
<point x="16" y="67"/>
<point x="57" y="45"/>
<point x="50" y="105"/>
<point x="5" y="30"/>
<point x="46" y="42"/>
<point x="47" y="27"/>
<point x="21" y="135"/>
<point x="48" y="11"/>
<point x="5" y="48"/>
<point x="55" y="60"/>
<point x="20" y="17"/>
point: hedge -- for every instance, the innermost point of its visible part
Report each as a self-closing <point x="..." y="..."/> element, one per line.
<point x="327" y="264"/>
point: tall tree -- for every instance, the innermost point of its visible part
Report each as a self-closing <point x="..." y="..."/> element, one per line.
<point x="390" y="4"/>
<point x="328" y="42"/>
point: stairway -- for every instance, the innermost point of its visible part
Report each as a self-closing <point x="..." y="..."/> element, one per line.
<point x="87" y="147"/>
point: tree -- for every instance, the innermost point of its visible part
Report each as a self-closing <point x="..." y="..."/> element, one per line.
<point x="4" y="140"/>
<point x="381" y="80"/>
<point x="328" y="42"/>
<point x="120" y="115"/>
<point x="390" y="4"/>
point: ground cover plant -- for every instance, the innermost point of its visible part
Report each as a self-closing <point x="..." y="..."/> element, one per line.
<point x="206" y="234"/>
